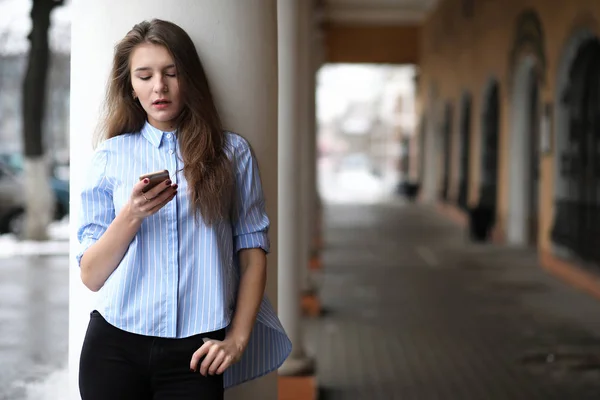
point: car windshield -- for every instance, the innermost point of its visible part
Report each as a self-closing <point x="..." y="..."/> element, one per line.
<point x="14" y="161"/>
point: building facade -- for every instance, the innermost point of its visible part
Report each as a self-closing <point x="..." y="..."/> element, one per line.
<point x="509" y="104"/>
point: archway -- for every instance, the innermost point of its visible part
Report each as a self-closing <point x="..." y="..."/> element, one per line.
<point x="576" y="225"/>
<point x="464" y="151"/>
<point x="447" y="151"/>
<point x="488" y="189"/>
<point x="432" y="147"/>
<point x="524" y="156"/>
<point x="421" y="150"/>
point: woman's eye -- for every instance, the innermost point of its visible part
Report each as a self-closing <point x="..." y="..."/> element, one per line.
<point x="171" y="75"/>
<point x="144" y="78"/>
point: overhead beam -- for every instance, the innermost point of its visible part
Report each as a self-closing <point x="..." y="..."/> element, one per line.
<point x="374" y="13"/>
<point x="371" y="44"/>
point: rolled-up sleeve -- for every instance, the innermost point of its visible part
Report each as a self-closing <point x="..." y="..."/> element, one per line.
<point x="97" y="209"/>
<point x="251" y="223"/>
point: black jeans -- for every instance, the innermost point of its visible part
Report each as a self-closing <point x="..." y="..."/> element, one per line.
<point x="118" y="365"/>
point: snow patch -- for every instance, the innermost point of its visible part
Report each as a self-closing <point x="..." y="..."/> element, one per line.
<point x="58" y="244"/>
<point x="55" y="386"/>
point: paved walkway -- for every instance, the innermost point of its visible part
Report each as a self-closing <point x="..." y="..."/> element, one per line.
<point x="414" y="311"/>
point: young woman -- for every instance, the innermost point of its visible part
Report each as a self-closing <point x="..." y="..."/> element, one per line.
<point x="180" y="268"/>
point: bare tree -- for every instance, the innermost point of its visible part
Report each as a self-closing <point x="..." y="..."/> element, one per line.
<point x="40" y="199"/>
<point x="4" y="37"/>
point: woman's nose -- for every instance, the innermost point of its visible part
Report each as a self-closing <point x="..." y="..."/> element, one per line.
<point x="160" y="86"/>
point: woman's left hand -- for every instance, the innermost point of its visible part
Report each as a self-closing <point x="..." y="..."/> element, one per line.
<point x="219" y="356"/>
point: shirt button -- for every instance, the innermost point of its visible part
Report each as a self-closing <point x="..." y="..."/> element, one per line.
<point x="168" y="136"/>
<point x="171" y="152"/>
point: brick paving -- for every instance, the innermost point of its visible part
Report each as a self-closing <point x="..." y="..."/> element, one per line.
<point x="415" y="311"/>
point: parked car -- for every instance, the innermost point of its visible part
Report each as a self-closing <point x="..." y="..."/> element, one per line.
<point x="12" y="201"/>
<point x="59" y="181"/>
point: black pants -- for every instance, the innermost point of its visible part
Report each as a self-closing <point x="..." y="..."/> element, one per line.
<point x="118" y="365"/>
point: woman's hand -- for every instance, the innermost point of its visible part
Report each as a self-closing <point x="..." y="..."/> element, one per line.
<point x="142" y="205"/>
<point x="220" y="355"/>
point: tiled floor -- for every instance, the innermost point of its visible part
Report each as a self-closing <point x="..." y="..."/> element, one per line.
<point x="414" y="311"/>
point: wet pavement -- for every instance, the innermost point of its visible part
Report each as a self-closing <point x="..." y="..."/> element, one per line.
<point x="34" y="321"/>
<point x="412" y="310"/>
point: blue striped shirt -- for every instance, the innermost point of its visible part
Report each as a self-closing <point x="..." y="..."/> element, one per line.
<point x="179" y="277"/>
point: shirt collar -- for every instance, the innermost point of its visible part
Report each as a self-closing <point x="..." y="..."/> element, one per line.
<point x="153" y="135"/>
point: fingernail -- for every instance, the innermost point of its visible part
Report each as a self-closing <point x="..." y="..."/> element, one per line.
<point x="192" y="369"/>
<point x="168" y="182"/>
<point x="146" y="180"/>
<point x="175" y="186"/>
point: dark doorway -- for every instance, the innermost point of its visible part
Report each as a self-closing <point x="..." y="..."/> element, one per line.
<point x="447" y="148"/>
<point x="577" y="221"/>
<point x="488" y="191"/>
<point x="422" y="151"/>
<point x="464" y="149"/>
<point x="534" y="159"/>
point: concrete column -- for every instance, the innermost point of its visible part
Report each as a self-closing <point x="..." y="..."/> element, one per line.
<point x="237" y="41"/>
<point x="291" y="243"/>
<point x="318" y="60"/>
<point x="307" y="135"/>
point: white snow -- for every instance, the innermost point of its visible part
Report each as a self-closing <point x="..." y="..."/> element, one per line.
<point x="58" y="244"/>
<point x="55" y="386"/>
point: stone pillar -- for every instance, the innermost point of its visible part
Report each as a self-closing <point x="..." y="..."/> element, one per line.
<point x="237" y="42"/>
<point x="307" y="135"/>
<point x="291" y="249"/>
<point x="318" y="60"/>
<point x="317" y="56"/>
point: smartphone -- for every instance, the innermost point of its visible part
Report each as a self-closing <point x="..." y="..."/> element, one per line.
<point x="155" y="178"/>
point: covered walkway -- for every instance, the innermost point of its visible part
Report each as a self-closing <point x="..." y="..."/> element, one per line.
<point x="412" y="310"/>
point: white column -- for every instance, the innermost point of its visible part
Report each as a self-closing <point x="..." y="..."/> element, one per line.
<point x="237" y="41"/>
<point x="307" y="137"/>
<point x="290" y="179"/>
<point x="317" y="58"/>
<point x="318" y="54"/>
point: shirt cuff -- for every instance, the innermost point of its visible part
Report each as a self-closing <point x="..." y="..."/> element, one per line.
<point x="85" y="244"/>
<point x="252" y="241"/>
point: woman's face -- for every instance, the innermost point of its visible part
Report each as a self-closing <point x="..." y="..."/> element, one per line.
<point x="155" y="84"/>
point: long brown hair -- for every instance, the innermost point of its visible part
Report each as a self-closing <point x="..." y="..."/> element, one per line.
<point x="207" y="168"/>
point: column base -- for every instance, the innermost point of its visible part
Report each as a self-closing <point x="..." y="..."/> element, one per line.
<point x="296" y="388"/>
<point x="303" y="366"/>
<point x="310" y="305"/>
<point x="315" y="263"/>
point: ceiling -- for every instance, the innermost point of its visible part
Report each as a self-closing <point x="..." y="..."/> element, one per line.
<point x="376" y="12"/>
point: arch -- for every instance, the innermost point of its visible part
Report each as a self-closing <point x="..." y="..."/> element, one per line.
<point x="422" y="150"/>
<point x="464" y="150"/>
<point x="577" y="206"/>
<point x="432" y="145"/>
<point x="528" y="40"/>
<point x="446" y="133"/>
<point x="561" y="107"/>
<point x="524" y="155"/>
<point x="490" y="118"/>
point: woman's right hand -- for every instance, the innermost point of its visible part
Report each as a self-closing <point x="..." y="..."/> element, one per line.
<point x="142" y="205"/>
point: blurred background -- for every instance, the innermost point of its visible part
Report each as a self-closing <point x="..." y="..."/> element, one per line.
<point x="454" y="249"/>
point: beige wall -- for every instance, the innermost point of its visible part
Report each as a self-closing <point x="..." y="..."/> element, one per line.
<point x="460" y="53"/>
